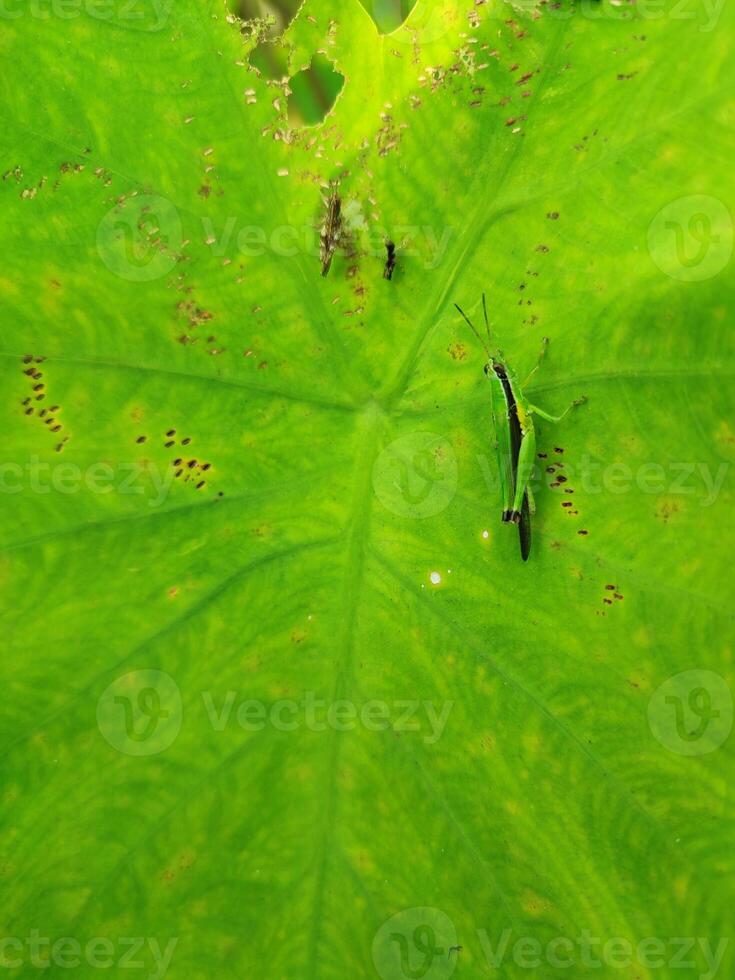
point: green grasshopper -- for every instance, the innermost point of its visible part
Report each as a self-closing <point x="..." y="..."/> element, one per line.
<point x="515" y="437"/>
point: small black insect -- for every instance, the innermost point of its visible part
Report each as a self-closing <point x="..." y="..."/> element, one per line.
<point x="390" y="262"/>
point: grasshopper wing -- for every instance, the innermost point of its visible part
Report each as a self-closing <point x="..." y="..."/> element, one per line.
<point x="524" y="529"/>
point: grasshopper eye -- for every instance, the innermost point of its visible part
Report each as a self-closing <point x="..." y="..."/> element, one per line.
<point x="487" y="369"/>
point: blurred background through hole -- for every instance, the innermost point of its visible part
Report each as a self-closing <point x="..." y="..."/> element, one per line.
<point x="313" y="90"/>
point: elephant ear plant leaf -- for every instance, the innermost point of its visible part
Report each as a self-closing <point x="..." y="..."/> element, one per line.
<point x="281" y="699"/>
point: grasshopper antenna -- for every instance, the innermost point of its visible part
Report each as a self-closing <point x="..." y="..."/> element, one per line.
<point x="474" y="330"/>
<point x="487" y="324"/>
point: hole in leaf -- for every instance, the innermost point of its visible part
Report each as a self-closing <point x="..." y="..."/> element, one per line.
<point x="388" y="14"/>
<point x="271" y="60"/>
<point x="279" y="13"/>
<point x="313" y="92"/>
<point x="266" y="20"/>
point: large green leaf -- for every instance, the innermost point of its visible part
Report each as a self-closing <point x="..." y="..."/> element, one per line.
<point x="174" y="643"/>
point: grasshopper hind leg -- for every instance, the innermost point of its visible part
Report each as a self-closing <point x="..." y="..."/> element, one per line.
<point x="524" y="472"/>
